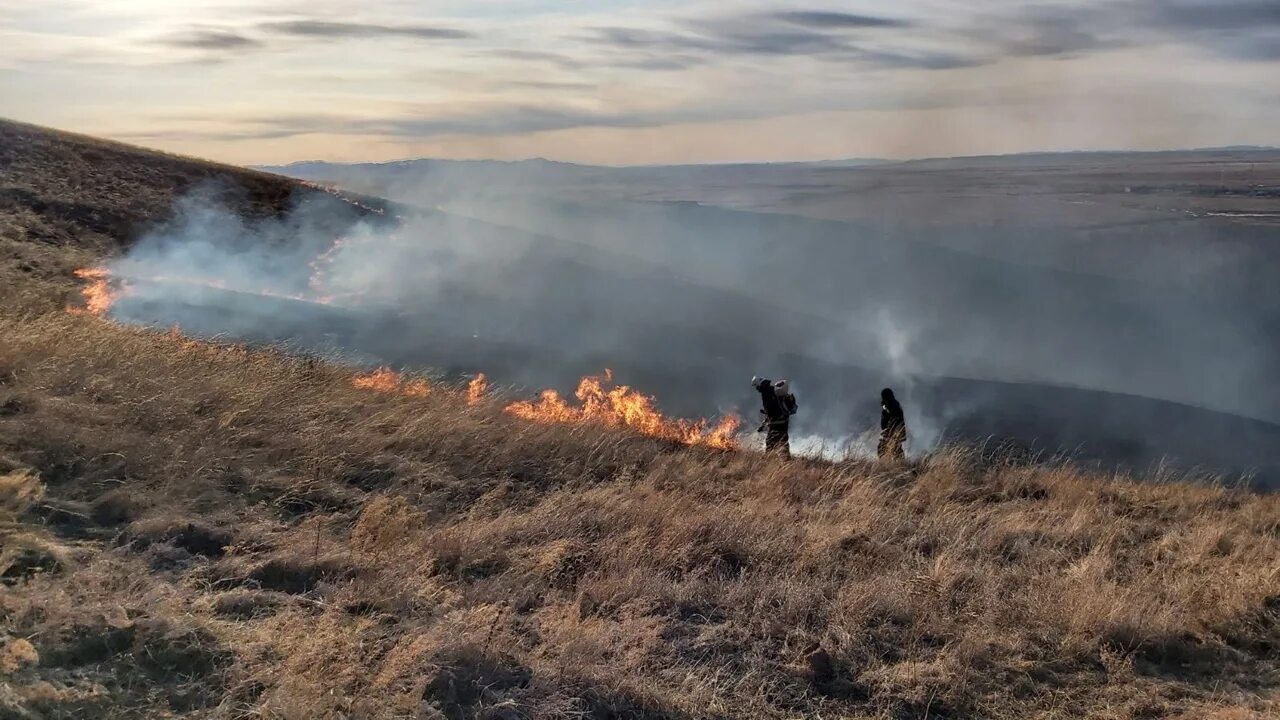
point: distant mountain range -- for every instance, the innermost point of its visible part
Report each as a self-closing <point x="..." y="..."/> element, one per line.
<point x="305" y="167"/>
<point x="543" y="164"/>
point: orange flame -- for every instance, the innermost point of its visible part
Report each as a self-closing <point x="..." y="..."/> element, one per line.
<point x="621" y="406"/>
<point x="477" y="389"/>
<point x="98" y="293"/>
<point x="386" y="380"/>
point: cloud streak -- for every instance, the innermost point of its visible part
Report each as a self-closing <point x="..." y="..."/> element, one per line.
<point x="211" y="39"/>
<point x="327" y="29"/>
<point x="1237" y="29"/>
<point x="1231" y="29"/>
<point x="824" y="19"/>
<point x="426" y="122"/>
<point x="836" y="37"/>
<point x="215" y="40"/>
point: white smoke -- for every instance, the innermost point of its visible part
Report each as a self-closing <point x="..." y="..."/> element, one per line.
<point x="896" y="345"/>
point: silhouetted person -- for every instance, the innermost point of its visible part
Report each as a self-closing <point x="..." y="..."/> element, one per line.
<point x="779" y="406"/>
<point x="893" y="427"/>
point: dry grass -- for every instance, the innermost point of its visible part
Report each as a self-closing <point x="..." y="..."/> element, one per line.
<point x="243" y="533"/>
<point x="217" y="531"/>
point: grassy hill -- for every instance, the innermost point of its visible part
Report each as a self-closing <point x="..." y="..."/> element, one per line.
<point x="208" y="530"/>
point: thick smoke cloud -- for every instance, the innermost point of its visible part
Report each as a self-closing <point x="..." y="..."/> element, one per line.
<point x="456" y="295"/>
<point x="687" y="302"/>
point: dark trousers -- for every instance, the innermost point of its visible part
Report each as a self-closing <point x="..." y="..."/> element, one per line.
<point x="777" y="439"/>
<point x="891" y="442"/>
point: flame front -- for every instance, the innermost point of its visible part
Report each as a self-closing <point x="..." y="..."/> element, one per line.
<point x="622" y="406"/>
<point x="98" y="293"/>
<point x="477" y="389"/>
<point x="386" y="380"/>
<point x="618" y="406"/>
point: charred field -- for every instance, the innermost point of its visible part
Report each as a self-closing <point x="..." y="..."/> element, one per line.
<point x="198" y="527"/>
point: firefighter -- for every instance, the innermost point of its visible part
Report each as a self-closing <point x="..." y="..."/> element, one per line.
<point x="779" y="406"/>
<point x="893" y="427"/>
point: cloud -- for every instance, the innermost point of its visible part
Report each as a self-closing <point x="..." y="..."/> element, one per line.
<point x="1201" y="15"/>
<point x="1236" y="29"/>
<point x="829" y="19"/>
<point x="421" y="122"/>
<point x="211" y="39"/>
<point x="1233" y="29"/>
<point x="215" y="40"/>
<point x="335" y="29"/>
<point x="510" y="120"/>
<point x="641" y="39"/>
<point x="921" y="60"/>
<point x="559" y="60"/>
<point x="549" y="84"/>
<point x="829" y="36"/>
<point x="1048" y="32"/>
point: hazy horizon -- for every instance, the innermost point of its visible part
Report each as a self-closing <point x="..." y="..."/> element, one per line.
<point x="714" y="163"/>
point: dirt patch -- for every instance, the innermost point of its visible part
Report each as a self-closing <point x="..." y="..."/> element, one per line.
<point x="467" y="679"/>
<point x="296" y="501"/>
<point x="194" y="537"/>
<point x="164" y="649"/>
<point x="367" y="474"/>
<point x="296" y="577"/>
<point x="24" y="556"/>
<point x="66" y="518"/>
<point x="249" y="604"/>
<point x="622" y="703"/>
<point x="85" y="644"/>
<point x="183" y="662"/>
<point x="117" y="507"/>
<point x="12" y="406"/>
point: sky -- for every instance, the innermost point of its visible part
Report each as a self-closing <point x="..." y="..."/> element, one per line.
<point x="624" y="82"/>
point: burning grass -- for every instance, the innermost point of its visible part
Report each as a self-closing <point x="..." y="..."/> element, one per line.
<point x="386" y="380"/>
<point x="98" y="292"/>
<point x="618" y="407"/>
<point x="600" y="400"/>
<point x="603" y="402"/>
<point x="376" y="555"/>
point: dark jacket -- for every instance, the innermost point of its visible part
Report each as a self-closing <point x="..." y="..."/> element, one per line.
<point x="777" y="410"/>
<point x="891" y="417"/>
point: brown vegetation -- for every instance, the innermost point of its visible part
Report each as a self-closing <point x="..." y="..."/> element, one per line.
<point x="220" y="531"/>
<point x="229" y="531"/>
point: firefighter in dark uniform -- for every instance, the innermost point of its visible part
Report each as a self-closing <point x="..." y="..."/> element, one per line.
<point x="779" y="405"/>
<point x="893" y="427"/>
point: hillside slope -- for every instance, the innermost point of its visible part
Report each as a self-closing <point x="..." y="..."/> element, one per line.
<point x="231" y="533"/>
<point x="208" y="530"/>
<point x="66" y="200"/>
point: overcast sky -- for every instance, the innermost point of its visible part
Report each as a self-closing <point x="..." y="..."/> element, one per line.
<point x="628" y="82"/>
